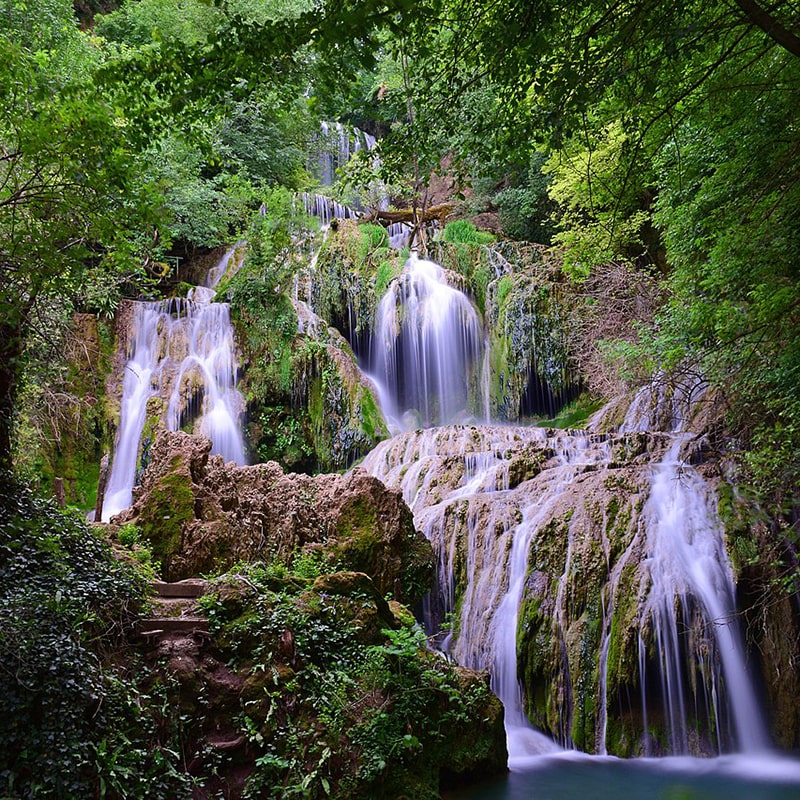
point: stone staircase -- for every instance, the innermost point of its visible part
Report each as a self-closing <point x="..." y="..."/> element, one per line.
<point x="175" y="610"/>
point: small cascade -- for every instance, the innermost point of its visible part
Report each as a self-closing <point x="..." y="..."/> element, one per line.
<point x="461" y="483"/>
<point x="427" y="348"/>
<point x="338" y="143"/>
<point x="326" y="209"/>
<point x="182" y="353"/>
<point x="687" y="561"/>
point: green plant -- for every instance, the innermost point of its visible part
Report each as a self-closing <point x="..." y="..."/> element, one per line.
<point x="346" y="701"/>
<point x="76" y="726"/>
<point x="462" y="231"/>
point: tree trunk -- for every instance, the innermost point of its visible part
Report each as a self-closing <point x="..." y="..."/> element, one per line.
<point x="778" y="32"/>
<point x="10" y="347"/>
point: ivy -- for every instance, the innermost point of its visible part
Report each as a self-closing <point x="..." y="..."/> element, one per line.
<point x="354" y="704"/>
<point x="74" y="726"/>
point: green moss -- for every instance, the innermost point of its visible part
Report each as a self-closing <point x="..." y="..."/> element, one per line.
<point x="161" y="522"/>
<point x="375" y="235"/>
<point x="574" y="415"/>
<point x="386" y="272"/>
<point x="622" y="672"/>
<point x="371" y="417"/>
<point x="462" y="231"/>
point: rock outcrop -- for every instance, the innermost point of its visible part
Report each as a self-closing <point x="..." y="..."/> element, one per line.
<point x="202" y="515"/>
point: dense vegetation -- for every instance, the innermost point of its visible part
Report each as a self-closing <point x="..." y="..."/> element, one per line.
<point x="78" y="721"/>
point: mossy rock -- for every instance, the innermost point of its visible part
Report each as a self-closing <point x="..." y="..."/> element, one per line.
<point x="170" y="506"/>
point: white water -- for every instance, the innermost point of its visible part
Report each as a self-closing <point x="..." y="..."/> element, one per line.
<point x="183" y="352"/>
<point x="427" y="348"/>
<point x="687" y="559"/>
<point x="482" y="530"/>
<point x="500" y="524"/>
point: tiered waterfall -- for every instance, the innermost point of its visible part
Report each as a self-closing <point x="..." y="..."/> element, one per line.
<point x="586" y="571"/>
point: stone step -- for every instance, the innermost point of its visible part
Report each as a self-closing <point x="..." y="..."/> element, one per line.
<point x="163" y="625"/>
<point x="191" y="587"/>
<point x="173" y="607"/>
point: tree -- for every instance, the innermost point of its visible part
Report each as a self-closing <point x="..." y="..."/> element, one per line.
<point x="65" y="201"/>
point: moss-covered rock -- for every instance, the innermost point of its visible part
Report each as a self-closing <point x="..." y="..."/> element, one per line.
<point x="309" y="406"/>
<point x="336" y="695"/>
<point x="202" y="515"/>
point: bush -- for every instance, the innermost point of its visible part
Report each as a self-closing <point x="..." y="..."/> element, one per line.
<point x="72" y="727"/>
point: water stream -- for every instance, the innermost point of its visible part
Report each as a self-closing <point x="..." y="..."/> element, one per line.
<point x="427" y="348"/>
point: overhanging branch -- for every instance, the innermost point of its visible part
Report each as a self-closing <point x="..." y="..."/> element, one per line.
<point x="778" y="32"/>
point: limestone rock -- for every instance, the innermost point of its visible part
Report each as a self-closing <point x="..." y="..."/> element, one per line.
<point x="202" y="515"/>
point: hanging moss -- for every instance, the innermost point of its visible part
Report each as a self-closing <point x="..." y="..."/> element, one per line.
<point x="62" y="428"/>
<point x="529" y="357"/>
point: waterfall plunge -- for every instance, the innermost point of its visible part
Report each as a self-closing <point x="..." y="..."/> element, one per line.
<point x="427" y="348"/>
<point x="181" y="351"/>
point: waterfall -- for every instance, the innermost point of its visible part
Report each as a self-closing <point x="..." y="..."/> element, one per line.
<point x="427" y="348"/>
<point x="687" y="560"/>
<point x="180" y="369"/>
<point x="337" y="145"/>
<point x="325" y="208"/>
<point x="459" y="484"/>
<point x="513" y="517"/>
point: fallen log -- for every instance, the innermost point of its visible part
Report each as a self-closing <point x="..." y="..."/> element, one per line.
<point x="411" y="216"/>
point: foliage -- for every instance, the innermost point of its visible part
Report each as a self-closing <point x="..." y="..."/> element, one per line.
<point x="353" y="704"/>
<point x="204" y="211"/>
<point x="72" y="207"/>
<point x="151" y="21"/>
<point x="524" y="203"/>
<point x="600" y="214"/>
<point x="462" y="231"/>
<point x="75" y="727"/>
<point x="672" y="135"/>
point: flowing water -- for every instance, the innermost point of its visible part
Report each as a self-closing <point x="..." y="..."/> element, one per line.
<point x="181" y="367"/>
<point x="687" y="559"/>
<point x="459" y="484"/>
<point x="481" y="521"/>
<point x="427" y="348"/>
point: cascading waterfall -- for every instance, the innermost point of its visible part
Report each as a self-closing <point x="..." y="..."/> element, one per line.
<point x="457" y="482"/>
<point x="182" y="352"/>
<point x="486" y="497"/>
<point x="326" y="209"/>
<point x="427" y="348"/>
<point x="687" y="560"/>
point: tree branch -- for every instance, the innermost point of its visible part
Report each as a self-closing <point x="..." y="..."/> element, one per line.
<point x="774" y="29"/>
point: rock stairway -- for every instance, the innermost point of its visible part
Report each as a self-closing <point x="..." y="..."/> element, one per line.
<point x="175" y="609"/>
